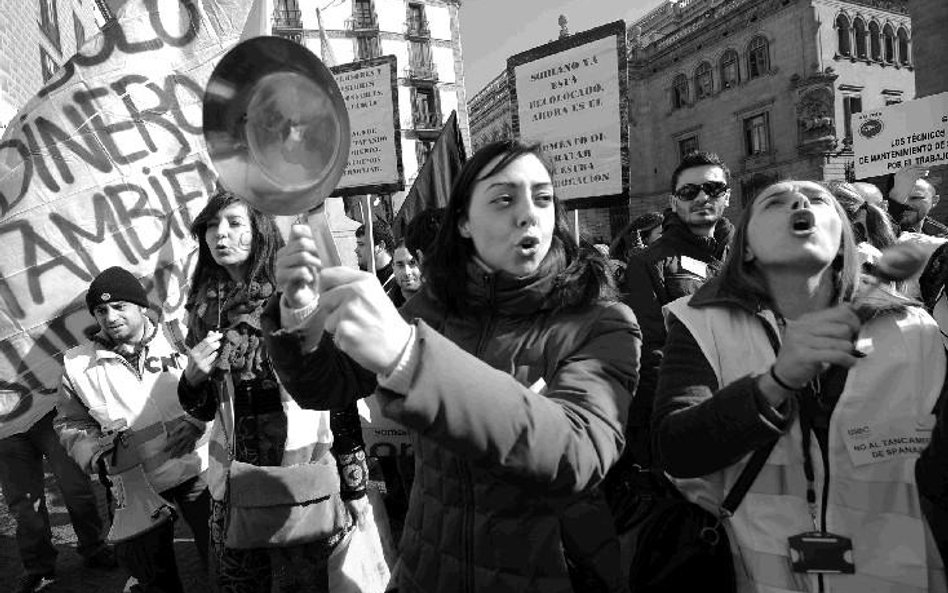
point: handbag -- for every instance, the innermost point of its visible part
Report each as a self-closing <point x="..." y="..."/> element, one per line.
<point x="270" y="506"/>
<point x="679" y="546"/>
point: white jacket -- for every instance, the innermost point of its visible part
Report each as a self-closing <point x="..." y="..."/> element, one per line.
<point x="877" y="430"/>
<point x="99" y="388"/>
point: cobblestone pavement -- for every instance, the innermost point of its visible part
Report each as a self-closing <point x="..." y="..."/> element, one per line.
<point x="71" y="575"/>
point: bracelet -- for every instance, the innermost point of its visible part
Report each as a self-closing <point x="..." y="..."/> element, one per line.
<point x="779" y="381"/>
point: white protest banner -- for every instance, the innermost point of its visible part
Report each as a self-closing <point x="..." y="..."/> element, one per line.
<point x="569" y="95"/>
<point x="893" y="137"/>
<point x="383" y="437"/>
<point x="106" y="166"/>
<point x="370" y="89"/>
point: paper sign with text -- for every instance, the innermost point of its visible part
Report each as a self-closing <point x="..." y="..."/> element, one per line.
<point x="569" y="96"/>
<point x="910" y="133"/>
<point x="897" y="438"/>
<point x="370" y="90"/>
<point x="106" y="166"/>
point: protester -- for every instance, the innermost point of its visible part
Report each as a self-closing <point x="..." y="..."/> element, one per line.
<point x="24" y="441"/>
<point x="871" y="194"/>
<point x="911" y="200"/>
<point x="379" y="250"/>
<point x="872" y="228"/>
<point x="780" y="348"/>
<point x="421" y="232"/>
<point x="229" y="376"/>
<point x="514" y="372"/>
<point x="124" y="381"/>
<point x="407" y="271"/>
<point x="692" y="247"/>
<point x="637" y="235"/>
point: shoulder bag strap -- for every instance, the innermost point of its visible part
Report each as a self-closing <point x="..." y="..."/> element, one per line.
<point x="757" y="461"/>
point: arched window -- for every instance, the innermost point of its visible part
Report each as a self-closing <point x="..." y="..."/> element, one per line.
<point x="680" y="91"/>
<point x="859" y="29"/>
<point x="843" y="36"/>
<point x="758" y="57"/>
<point x="888" y="44"/>
<point x="875" y="41"/>
<point x="704" y="85"/>
<point x="904" y="57"/>
<point x="730" y="71"/>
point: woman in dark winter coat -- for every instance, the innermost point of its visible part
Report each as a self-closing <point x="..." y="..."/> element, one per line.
<point x="514" y="368"/>
<point x="229" y="379"/>
<point x="787" y="347"/>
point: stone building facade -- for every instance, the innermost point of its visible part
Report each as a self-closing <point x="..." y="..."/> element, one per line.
<point x="423" y="35"/>
<point x="36" y="37"/>
<point x="491" y="113"/>
<point x="769" y="85"/>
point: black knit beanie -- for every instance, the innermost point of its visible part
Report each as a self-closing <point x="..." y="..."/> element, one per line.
<point x="115" y="284"/>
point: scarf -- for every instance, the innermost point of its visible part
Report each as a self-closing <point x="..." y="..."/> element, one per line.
<point x="234" y="309"/>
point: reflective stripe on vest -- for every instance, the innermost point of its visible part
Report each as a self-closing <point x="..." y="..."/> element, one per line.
<point x="875" y="504"/>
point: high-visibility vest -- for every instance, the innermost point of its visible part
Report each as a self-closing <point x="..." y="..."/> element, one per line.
<point x="874" y="502"/>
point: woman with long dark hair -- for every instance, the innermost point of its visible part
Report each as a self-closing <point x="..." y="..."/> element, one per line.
<point x="229" y="378"/>
<point x="513" y="368"/>
<point x="782" y="350"/>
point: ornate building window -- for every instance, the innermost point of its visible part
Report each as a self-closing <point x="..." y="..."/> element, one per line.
<point x="687" y="145"/>
<point x="904" y="57"/>
<point x="875" y="41"/>
<point x="47" y="64"/>
<point x="888" y="44"/>
<point x="704" y="84"/>
<point x="757" y="134"/>
<point x="859" y="30"/>
<point x="79" y="31"/>
<point x="49" y="21"/>
<point x="758" y="57"/>
<point x="368" y="47"/>
<point x="843" y="36"/>
<point x="851" y="104"/>
<point x="680" y="91"/>
<point x="730" y="70"/>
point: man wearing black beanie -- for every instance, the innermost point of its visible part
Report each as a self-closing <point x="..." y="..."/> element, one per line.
<point x="125" y="380"/>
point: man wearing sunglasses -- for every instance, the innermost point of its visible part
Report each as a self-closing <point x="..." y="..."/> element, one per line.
<point x="691" y="249"/>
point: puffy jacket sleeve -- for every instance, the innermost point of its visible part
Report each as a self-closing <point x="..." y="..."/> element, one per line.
<point x="78" y="431"/>
<point x="564" y="439"/>
<point x="324" y="378"/>
<point x="699" y="428"/>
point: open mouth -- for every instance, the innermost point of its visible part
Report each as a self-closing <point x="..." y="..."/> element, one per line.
<point x="528" y="245"/>
<point x="802" y="223"/>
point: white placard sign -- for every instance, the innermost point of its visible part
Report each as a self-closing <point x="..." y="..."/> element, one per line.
<point x="571" y="102"/>
<point x="370" y="92"/>
<point x="910" y="133"/>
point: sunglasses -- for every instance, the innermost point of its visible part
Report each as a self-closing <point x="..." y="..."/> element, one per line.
<point x="690" y="191"/>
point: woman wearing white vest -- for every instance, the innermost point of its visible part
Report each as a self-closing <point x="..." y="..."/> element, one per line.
<point x="848" y="399"/>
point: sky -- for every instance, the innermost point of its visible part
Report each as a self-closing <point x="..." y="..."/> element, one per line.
<point x="493" y="30"/>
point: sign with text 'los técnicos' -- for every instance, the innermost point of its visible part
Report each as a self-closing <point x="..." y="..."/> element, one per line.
<point x="569" y="96"/>
<point x="370" y="90"/>
<point x="911" y="133"/>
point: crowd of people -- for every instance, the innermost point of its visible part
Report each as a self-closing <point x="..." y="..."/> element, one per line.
<point x="771" y="388"/>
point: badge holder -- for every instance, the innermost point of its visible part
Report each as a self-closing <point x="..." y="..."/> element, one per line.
<point x="818" y="552"/>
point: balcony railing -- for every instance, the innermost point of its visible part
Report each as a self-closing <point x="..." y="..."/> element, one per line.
<point x="364" y="25"/>
<point x="426" y="120"/>
<point x="424" y="71"/>
<point x="418" y="29"/>
<point x="287" y="19"/>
